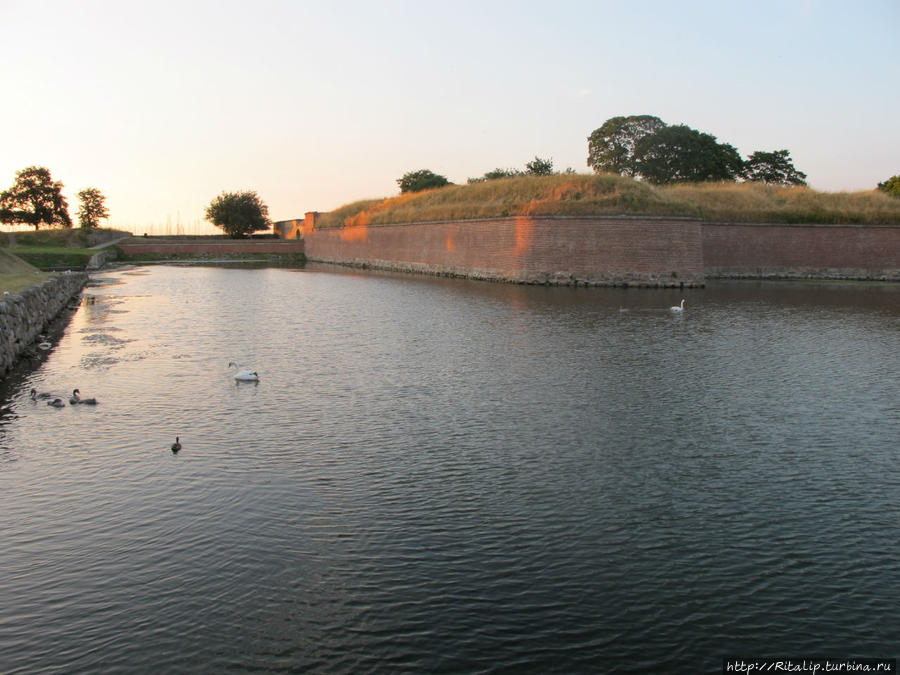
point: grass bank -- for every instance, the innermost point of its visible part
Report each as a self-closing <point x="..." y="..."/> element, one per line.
<point x="52" y="257"/>
<point x="57" y="238"/>
<point x="608" y="194"/>
<point x="16" y="275"/>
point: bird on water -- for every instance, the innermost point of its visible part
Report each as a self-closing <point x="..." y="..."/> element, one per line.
<point x="57" y="403"/>
<point x="678" y="308"/>
<point x="176" y="446"/>
<point x="77" y="399"/>
<point x="44" y="394"/>
<point x="243" y="374"/>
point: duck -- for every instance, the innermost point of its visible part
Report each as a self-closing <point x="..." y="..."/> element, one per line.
<point x="44" y="394"/>
<point x="678" y="308"/>
<point x="176" y="446"/>
<point x="244" y="375"/>
<point x="77" y="399"/>
<point x="57" y="403"/>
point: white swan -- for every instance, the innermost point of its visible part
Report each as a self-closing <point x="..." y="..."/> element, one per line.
<point x="678" y="308"/>
<point x="77" y="399"/>
<point x="244" y="375"/>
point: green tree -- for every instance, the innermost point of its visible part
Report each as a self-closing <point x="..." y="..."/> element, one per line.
<point x="891" y="186"/>
<point x="35" y="198"/>
<point x="539" y="167"/>
<point x="501" y="173"/>
<point x="679" y="154"/>
<point x="92" y="208"/>
<point x="238" y="213"/>
<point x="774" y="168"/>
<point x="611" y="147"/>
<point x="498" y="173"/>
<point x="423" y="179"/>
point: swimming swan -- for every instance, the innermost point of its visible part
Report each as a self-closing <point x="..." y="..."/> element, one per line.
<point x="77" y="399"/>
<point x="244" y="375"/>
<point x="678" y="308"/>
<point x="44" y="394"/>
<point x="176" y="446"/>
<point x="57" y="403"/>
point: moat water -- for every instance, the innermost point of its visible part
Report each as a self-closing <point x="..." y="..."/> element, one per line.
<point x="440" y="475"/>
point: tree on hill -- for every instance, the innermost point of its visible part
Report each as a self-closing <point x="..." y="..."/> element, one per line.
<point x="35" y="198"/>
<point x="611" y="147"/>
<point x="423" y="179"/>
<point x="679" y="154"/>
<point x="238" y="213"/>
<point x="501" y="173"/>
<point x="92" y="208"/>
<point x="891" y="186"/>
<point x="536" y="167"/>
<point x="539" y="167"/>
<point x="773" y="168"/>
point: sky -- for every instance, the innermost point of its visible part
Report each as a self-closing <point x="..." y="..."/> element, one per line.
<point x="164" y="105"/>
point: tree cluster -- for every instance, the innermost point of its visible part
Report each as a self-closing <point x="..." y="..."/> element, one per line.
<point x="238" y="213"/>
<point x="643" y="146"/>
<point x="423" y="179"/>
<point x="536" y="167"/>
<point x="36" y="199"/>
<point x="891" y="186"/>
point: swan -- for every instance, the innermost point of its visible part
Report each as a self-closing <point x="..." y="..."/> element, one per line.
<point x="57" y="403"/>
<point x="244" y="375"/>
<point x="44" y="394"/>
<point x="678" y="308"/>
<point x="176" y="446"/>
<point x="77" y="399"/>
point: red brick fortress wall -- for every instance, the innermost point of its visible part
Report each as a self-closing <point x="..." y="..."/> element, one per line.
<point x="555" y="250"/>
<point x="199" y="246"/>
<point x="801" y="251"/>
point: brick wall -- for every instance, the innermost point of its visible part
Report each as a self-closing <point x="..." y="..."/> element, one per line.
<point x="587" y="251"/>
<point x="801" y="251"/>
<point x="603" y="251"/>
<point x="150" y="246"/>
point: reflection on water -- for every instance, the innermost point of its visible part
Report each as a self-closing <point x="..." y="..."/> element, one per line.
<point x="450" y="475"/>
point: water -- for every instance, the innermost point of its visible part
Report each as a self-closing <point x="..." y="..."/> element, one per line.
<point x="450" y="476"/>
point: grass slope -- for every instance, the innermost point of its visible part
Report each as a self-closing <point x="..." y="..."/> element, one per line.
<point x="608" y="194"/>
<point x="53" y="257"/>
<point x="16" y="275"/>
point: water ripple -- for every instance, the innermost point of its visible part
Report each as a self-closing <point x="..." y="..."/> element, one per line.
<point x="436" y="475"/>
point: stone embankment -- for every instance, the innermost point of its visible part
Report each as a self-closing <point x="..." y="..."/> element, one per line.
<point x="25" y="315"/>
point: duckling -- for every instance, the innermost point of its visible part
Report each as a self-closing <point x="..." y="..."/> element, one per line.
<point x="77" y="399"/>
<point x="176" y="446"/>
<point x="57" y="403"/>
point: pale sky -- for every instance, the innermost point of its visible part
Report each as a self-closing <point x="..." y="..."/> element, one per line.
<point x="163" y="105"/>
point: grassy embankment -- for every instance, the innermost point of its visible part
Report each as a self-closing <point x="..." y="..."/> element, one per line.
<point x="16" y="275"/>
<point x="585" y="195"/>
<point x="25" y="256"/>
<point x="50" y="249"/>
